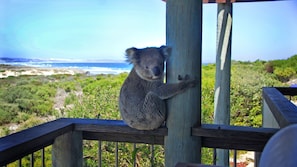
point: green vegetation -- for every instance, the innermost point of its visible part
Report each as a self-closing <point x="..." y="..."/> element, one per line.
<point x="30" y="100"/>
<point x="247" y="80"/>
<point x="283" y="69"/>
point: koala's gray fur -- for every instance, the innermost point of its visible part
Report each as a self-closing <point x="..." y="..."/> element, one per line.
<point x="142" y="95"/>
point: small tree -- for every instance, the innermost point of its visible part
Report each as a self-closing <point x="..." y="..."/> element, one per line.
<point x="269" y="67"/>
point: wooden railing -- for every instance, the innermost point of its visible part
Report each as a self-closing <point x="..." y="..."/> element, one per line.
<point x="278" y="110"/>
<point x="65" y="133"/>
<point x="16" y="146"/>
<point x="213" y="136"/>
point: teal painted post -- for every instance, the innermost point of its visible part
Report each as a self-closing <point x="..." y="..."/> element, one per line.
<point x="184" y="35"/>
<point x="223" y="73"/>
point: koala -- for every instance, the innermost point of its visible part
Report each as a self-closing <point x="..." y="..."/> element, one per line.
<point x="143" y="93"/>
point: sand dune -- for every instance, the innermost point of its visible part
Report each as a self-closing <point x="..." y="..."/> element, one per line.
<point x="9" y="70"/>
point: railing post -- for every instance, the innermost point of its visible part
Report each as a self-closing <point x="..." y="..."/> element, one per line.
<point x="67" y="150"/>
<point x="223" y="71"/>
<point x="184" y="35"/>
<point x="268" y="120"/>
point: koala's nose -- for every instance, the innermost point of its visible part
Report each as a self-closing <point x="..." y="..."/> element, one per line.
<point x="156" y="71"/>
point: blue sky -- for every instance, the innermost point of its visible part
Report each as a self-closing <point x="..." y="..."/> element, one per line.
<point x="103" y="29"/>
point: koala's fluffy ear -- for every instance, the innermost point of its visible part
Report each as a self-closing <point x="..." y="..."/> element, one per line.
<point x="131" y="55"/>
<point x="166" y="51"/>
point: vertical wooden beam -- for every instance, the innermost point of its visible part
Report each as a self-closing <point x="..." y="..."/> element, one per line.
<point x="223" y="71"/>
<point x="67" y="150"/>
<point x="184" y="35"/>
<point x="268" y="121"/>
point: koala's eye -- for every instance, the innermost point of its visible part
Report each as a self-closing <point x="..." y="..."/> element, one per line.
<point x="146" y="67"/>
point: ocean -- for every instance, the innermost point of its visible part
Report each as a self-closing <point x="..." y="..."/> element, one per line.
<point x="92" y="68"/>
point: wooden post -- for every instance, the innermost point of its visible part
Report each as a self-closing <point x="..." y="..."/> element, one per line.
<point x="268" y="121"/>
<point x="67" y="150"/>
<point x="223" y="68"/>
<point x="184" y="35"/>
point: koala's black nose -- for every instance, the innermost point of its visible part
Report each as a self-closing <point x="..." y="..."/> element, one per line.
<point x="156" y="71"/>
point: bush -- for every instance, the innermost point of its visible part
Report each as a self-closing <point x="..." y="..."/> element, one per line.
<point x="247" y="82"/>
<point x="7" y="112"/>
<point x="284" y="74"/>
<point x="269" y="67"/>
<point x="100" y="98"/>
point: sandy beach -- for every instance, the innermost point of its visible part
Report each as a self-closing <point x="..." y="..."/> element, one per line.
<point x="9" y="70"/>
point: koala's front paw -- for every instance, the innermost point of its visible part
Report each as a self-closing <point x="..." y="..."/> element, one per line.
<point x="187" y="81"/>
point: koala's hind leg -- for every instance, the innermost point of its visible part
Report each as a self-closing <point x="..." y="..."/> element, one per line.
<point x="154" y="111"/>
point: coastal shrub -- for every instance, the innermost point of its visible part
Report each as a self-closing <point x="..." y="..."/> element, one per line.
<point x="28" y="94"/>
<point x="7" y="112"/>
<point x="291" y="62"/>
<point x="269" y="67"/>
<point x="207" y="90"/>
<point x="22" y="117"/>
<point x="5" y="117"/>
<point x="247" y="82"/>
<point x="25" y="105"/>
<point x="70" y="99"/>
<point x="45" y="92"/>
<point x="43" y="108"/>
<point x="100" y="98"/>
<point x="11" y="94"/>
<point x="284" y="74"/>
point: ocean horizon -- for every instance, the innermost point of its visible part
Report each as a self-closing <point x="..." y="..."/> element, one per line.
<point x="91" y="67"/>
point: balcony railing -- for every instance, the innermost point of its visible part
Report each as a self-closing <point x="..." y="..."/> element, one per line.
<point x="278" y="110"/>
<point x="66" y="135"/>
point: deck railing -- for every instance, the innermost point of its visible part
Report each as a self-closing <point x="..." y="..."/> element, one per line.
<point x="278" y="109"/>
<point x="66" y="135"/>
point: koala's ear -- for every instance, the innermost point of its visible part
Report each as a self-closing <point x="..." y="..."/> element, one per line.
<point x="166" y="51"/>
<point x="131" y="55"/>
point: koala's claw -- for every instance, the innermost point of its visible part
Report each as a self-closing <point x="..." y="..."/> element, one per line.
<point x="180" y="78"/>
<point x="187" y="80"/>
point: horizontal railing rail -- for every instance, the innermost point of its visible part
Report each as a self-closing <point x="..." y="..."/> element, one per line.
<point x="285" y="90"/>
<point x="233" y="137"/>
<point x="118" y="131"/>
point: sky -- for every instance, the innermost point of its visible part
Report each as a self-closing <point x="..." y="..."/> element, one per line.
<point x="103" y="29"/>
